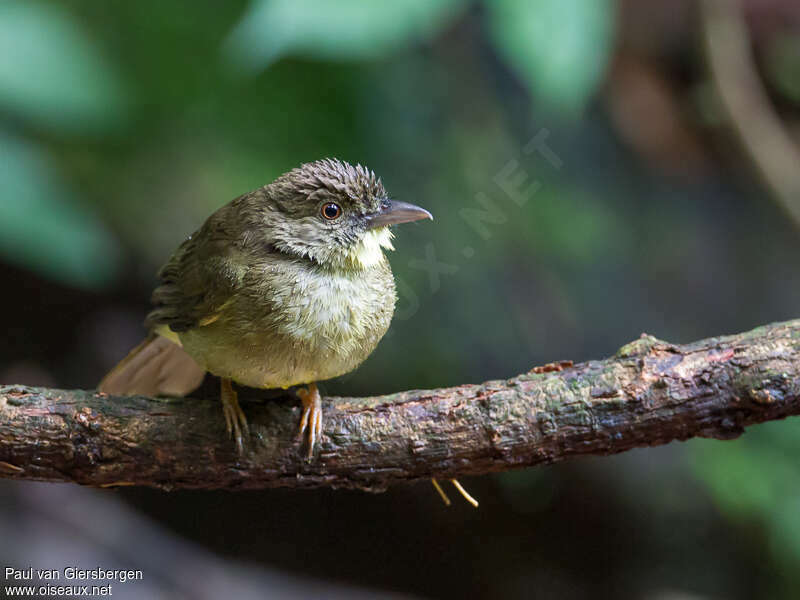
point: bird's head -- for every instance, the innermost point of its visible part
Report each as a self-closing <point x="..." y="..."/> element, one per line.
<point x="334" y="213"/>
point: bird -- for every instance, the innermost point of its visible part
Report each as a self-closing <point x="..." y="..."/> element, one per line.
<point x="283" y="287"/>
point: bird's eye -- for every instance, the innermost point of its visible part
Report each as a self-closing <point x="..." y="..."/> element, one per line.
<point x="331" y="211"/>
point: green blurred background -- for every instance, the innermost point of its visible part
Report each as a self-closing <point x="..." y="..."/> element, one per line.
<point x="124" y="124"/>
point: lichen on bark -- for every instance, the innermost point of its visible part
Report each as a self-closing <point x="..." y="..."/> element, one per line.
<point x="650" y="392"/>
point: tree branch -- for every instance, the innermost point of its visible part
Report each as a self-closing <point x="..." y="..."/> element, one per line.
<point x="650" y="393"/>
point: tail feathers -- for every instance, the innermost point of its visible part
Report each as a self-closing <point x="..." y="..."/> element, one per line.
<point x="156" y="367"/>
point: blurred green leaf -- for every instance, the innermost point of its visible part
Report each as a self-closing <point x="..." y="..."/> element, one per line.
<point x="50" y="73"/>
<point x="41" y="226"/>
<point x="782" y="61"/>
<point x="334" y="29"/>
<point x="756" y="478"/>
<point x="558" y="47"/>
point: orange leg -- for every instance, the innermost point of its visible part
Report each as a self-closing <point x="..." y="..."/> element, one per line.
<point x="312" y="415"/>
<point x="235" y="420"/>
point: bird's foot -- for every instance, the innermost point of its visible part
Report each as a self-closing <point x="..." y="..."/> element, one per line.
<point x="235" y="420"/>
<point x="312" y="415"/>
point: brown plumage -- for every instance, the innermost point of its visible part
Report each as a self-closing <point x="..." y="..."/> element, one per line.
<point x="286" y="285"/>
<point x="156" y="367"/>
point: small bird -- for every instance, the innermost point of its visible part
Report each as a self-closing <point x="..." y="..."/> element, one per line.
<point x="284" y="286"/>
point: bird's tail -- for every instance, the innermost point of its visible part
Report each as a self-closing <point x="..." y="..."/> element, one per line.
<point x="156" y="367"/>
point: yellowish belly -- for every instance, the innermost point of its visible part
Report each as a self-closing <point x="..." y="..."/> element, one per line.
<point x="296" y="332"/>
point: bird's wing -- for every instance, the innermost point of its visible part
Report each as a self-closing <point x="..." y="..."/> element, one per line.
<point x="200" y="277"/>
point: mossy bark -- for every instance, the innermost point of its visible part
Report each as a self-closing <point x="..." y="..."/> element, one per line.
<point x="650" y="393"/>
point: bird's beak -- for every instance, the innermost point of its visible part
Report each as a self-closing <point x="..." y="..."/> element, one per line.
<point x="394" y="212"/>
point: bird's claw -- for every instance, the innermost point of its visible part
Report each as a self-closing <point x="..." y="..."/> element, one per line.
<point x="312" y="416"/>
<point x="235" y="419"/>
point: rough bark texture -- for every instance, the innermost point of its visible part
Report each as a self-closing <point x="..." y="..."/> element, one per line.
<point x="650" y="393"/>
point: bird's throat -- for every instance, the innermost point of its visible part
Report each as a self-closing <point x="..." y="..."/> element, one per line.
<point x="369" y="251"/>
